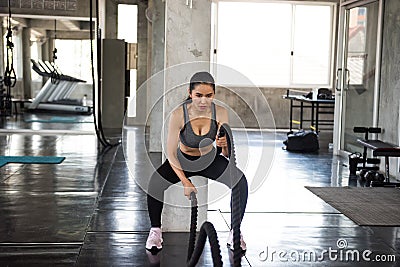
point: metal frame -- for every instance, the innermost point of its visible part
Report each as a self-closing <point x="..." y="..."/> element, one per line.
<point x="342" y="41"/>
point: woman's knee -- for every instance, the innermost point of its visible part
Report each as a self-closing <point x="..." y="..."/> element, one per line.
<point x="238" y="177"/>
<point x="157" y="184"/>
<point x="243" y="183"/>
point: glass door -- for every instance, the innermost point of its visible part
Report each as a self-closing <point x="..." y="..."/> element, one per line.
<point x="358" y="74"/>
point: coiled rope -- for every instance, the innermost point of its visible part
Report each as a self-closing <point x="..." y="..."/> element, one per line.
<point x="207" y="229"/>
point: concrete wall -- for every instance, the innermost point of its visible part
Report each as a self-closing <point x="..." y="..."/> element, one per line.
<point x="144" y="64"/>
<point x="113" y="83"/>
<point x="156" y="84"/>
<point x="187" y="44"/>
<point x="248" y="105"/>
<point x="389" y="115"/>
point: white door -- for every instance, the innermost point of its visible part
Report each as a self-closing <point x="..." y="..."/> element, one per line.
<point x="358" y="72"/>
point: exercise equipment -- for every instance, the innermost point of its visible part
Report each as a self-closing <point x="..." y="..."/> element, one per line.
<point x="386" y="150"/>
<point x="207" y="229"/>
<point x="55" y="95"/>
<point x="10" y="77"/>
<point x="364" y="159"/>
<point x="374" y="176"/>
<point x="356" y="158"/>
<point x="363" y="172"/>
<point x="97" y="115"/>
<point x="30" y="160"/>
<point x="379" y="149"/>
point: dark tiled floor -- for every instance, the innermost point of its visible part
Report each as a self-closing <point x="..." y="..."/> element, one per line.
<point x="89" y="210"/>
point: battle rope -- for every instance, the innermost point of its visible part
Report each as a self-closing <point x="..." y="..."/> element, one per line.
<point x="98" y="126"/>
<point x="207" y="229"/>
<point x="236" y="213"/>
<point x="55" y="75"/>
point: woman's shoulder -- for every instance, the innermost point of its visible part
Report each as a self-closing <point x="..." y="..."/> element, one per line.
<point x="177" y="116"/>
<point x="220" y="109"/>
<point x="177" y="112"/>
<point x="221" y="114"/>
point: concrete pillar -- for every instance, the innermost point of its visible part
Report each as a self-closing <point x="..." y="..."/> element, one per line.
<point x="113" y="67"/>
<point x="156" y="84"/>
<point x="108" y="19"/>
<point x="45" y="47"/>
<point x="26" y="62"/>
<point x="50" y="46"/>
<point x="187" y="42"/>
<point x="1" y="47"/>
<point x="111" y="20"/>
<point x="143" y="94"/>
<point x="113" y="83"/>
<point x="142" y="45"/>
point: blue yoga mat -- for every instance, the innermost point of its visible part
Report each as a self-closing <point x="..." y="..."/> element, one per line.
<point x="59" y="120"/>
<point x="30" y="160"/>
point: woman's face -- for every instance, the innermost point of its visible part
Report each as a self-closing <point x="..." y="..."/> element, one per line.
<point x="202" y="95"/>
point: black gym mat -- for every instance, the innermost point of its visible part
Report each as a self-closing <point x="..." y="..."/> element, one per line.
<point x="370" y="206"/>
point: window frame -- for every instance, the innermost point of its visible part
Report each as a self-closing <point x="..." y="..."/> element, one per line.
<point x="332" y="47"/>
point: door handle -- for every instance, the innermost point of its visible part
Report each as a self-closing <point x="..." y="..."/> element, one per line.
<point x="339" y="72"/>
<point x="347" y="85"/>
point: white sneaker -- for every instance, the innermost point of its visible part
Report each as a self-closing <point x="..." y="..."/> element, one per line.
<point x="229" y="243"/>
<point x="154" y="240"/>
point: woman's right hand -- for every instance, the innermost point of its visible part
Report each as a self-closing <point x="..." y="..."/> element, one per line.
<point x="189" y="188"/>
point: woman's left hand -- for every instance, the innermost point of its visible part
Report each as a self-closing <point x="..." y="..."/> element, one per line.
<point x="221" y="141"/>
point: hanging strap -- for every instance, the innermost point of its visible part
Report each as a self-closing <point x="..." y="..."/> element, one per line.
<point x="10" y="78"/>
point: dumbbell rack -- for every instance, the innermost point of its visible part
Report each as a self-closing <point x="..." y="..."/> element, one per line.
<point x="379" y="149"/>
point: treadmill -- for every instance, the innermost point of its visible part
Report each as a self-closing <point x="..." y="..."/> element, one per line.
<point x="55" y="93"/>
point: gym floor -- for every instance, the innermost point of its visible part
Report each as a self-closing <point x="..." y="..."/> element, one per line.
<point x="88" y="210"/>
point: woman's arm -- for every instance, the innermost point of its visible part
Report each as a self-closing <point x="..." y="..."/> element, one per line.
<point x="175" y="125"/>
<point x="222" y="117"/>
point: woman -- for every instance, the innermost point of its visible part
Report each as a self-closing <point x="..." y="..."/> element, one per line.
<point x="192" y="130"/>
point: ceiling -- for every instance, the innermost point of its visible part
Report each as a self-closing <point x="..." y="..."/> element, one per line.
<point x="61" y="28"/>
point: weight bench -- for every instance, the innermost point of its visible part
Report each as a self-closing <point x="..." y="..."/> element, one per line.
<point x="382" y="149"/>
<point x="366" y="131"/>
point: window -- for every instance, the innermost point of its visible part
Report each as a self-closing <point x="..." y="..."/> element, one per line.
<point x="127" y="30"/>
<point x="127" y="23"/>
<point x="275" y="44"/>
<point x="78" y="66"/>
<point x="357" y="54"/>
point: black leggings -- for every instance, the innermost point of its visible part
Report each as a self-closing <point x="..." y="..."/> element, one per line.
<point x="211" y="166"/>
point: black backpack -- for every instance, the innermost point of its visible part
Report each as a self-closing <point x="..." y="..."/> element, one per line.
<point x="302" y="141"/>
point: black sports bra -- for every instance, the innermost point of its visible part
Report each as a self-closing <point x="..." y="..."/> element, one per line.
<point x="189" y="138"/>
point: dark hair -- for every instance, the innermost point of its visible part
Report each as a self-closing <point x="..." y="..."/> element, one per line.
<point x="202" y="77"/>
